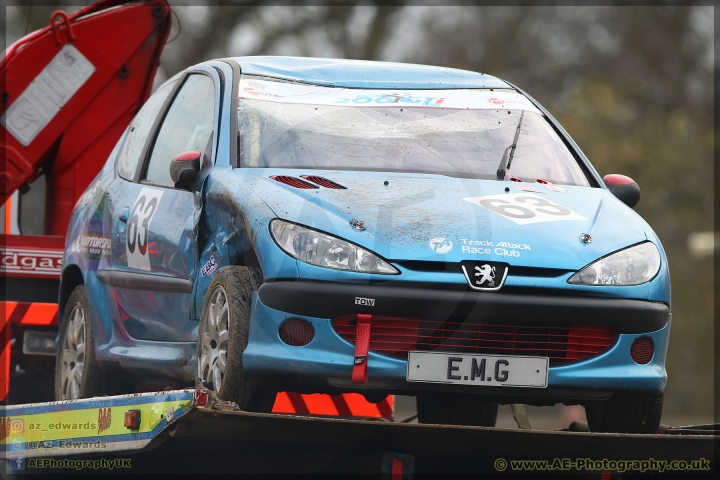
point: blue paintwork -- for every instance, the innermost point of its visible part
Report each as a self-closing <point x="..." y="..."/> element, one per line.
<point x="329" y="355"/>
<point x="152" y="334"/>
<point x="365" y="74"/>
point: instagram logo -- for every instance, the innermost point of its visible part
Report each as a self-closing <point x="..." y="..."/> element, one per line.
<point x="17" y="426"/>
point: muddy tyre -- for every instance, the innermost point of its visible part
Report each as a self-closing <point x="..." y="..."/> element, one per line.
<point x="626" y="412"/>
<point x="456" y="409"/>
<point x="77" y="374"/>
<point x="222" y="338"/>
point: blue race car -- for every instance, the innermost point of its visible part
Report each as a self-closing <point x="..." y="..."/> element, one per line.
<point x="318" y="225"/>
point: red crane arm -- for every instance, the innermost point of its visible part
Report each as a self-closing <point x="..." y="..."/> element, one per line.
<point x="70" y="90"/>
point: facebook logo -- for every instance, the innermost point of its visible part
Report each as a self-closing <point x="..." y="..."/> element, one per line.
<point x="17" y="463"/>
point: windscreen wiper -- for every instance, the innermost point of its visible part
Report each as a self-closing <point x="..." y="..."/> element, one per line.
<point x="507" y="157"/>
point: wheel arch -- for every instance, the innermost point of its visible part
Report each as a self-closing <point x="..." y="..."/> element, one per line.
<point x="249" y="258"/>
<point x="71" y="277"/>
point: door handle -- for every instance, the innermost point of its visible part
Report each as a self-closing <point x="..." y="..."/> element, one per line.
<point x="122" y="220"/>
<point x="124" y="215"/>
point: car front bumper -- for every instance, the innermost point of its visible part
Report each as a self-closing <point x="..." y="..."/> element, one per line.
<point x="328" y="358"/>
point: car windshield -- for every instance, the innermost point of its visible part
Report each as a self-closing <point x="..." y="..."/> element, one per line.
<point x="461" y="133"/>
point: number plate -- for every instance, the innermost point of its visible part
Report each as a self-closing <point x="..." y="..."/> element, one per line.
<point x="488" y="370"/>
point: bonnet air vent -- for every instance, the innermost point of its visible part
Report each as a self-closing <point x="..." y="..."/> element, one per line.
<point x="323" y="182"/>
<point x="293" y="182"/>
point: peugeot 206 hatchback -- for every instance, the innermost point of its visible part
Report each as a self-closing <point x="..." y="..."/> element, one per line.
<point x="317" y="225"/>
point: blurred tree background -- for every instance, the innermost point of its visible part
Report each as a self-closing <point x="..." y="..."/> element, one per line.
<point x="632" y="85"/>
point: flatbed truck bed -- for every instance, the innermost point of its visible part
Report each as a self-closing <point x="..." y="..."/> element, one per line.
<point x="185" y="431"/>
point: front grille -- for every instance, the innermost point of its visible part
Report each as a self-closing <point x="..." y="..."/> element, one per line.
<point x="561" y="343"/>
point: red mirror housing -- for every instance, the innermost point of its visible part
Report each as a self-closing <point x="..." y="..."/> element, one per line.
<point x="184" y="167"/>
<point x="624" y="188"/>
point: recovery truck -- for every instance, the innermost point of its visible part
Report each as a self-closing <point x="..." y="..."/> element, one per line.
<point x="62" y="113"/>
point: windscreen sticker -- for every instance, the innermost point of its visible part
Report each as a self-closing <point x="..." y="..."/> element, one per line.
<point x="138" y="227"/>
<point x="524" y="208"/>
<point x="317" y="95"/>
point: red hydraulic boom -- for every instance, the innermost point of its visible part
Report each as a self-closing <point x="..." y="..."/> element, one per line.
<point x="70" y="90"/>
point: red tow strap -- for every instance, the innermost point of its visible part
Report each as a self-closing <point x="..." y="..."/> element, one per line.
<point x="362" y="345"/>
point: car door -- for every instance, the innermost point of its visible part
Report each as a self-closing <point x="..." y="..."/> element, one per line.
<point x="154" y="255"/>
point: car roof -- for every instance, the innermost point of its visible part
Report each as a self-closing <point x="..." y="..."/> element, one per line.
<point x="365" y="74"/>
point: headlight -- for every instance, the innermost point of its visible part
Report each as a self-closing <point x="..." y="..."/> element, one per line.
<point x="323" y="250"/>
<point x="632" y="266"/>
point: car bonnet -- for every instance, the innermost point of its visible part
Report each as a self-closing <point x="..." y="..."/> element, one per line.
<point x="409" y="216"/>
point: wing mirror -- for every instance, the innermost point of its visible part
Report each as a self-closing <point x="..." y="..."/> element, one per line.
<point x="184" y="168"/>
<point x="624" y="188"/>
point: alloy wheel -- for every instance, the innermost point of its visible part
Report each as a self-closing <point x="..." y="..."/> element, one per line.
<point x="214" y="341"/>
<point x="73" y="357"/>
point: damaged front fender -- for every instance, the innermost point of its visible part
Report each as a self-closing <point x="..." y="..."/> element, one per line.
<point x="235" y="224"/>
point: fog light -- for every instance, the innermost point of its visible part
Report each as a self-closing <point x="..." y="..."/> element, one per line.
<point x="642" y="350"/>
<point x="296" y="332"/>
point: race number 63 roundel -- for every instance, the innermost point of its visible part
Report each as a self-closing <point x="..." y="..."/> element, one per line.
<point x="138" y="227"/>
<point x="524" y="208"/>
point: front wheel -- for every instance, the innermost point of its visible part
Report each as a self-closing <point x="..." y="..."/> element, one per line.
<point x="626" y="412"/>
<point x="222" y="339"/>
<point x="456" y="409"/>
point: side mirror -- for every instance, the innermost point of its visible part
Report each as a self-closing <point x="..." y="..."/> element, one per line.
<point x="624" y="188"/>
<point x="184" y="168"/>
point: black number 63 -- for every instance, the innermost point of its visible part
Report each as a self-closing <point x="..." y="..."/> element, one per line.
<point x="137" y="235"/>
